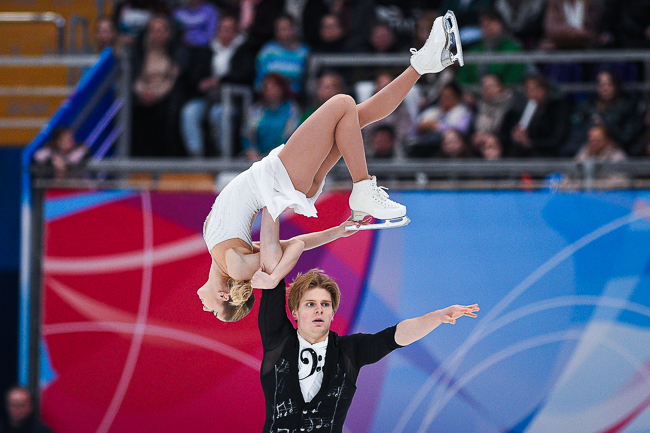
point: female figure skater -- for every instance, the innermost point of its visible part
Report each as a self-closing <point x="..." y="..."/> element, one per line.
<point x="293" y="175"/>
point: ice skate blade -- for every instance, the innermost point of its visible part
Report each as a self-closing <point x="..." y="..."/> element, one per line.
<point x="387" y="224"/>
<point x="451" y="28"/>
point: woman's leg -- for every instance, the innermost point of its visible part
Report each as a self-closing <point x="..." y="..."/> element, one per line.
<point x="384" y="102"/>
<point x="330" y="132"/>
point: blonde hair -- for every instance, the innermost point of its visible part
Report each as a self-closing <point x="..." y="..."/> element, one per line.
<point x="241" y="300"/>
<point x="315" y="278"/>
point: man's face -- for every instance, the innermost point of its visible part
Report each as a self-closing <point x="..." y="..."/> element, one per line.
<point x="19" y="406"/>
<point x="314" y="314"/>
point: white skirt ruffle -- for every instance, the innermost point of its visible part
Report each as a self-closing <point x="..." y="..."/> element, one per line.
<point x="271" y="182"/>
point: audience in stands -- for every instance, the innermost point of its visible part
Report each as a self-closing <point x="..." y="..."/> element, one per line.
<point x="198" y="21"/>
<point x="399" y="121"/>
<point x="494" y="39"/>
<point x="331" y="36"/>
<point x="286" y="55"/>
<point x="600" y="147"/>
<point x="523" y="19"/>
<point x="571" y="24"/>
<point x="220" y="68"/>
<point x="610" y="107"/>
<point x="279" y="36"/>
<point x="626" y="24"/>
<point x="495" y="101"/>
<point x="158" y="63"/>
<point x="454" y="145"/>
<point x="271" y="120"/>
<point x="538" y="127"/>
<point x="62" y="152"/>
<point x="132" y="17"/>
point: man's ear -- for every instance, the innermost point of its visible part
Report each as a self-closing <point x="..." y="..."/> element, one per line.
<point x="294" y="314"/>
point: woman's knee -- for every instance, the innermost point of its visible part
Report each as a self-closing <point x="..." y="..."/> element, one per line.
<point x="344" y="102"/>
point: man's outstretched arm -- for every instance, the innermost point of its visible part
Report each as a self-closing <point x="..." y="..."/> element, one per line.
<point x="411" y="330"/>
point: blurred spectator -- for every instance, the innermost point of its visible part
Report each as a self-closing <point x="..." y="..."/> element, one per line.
<point x="198" y="21"/>
<point x="106" y="35"/>
<point x="62" y="152"/>
<point x="381" y="142"/>
<point x="626" y="24"/>
<point x="468" y="13"/>
<point x="285" y="55"/>
<point x="257" y="19"/>
<point x="382" y="41"/>
<point x="601" y="148"/>
<point x="609" y="107"/>
<point x="523" y="19"/>
<point x="494" y="103"/>
<point x="399" y="121"/>
<point x="454" y="145"/>
<point x="271" y="121"/>
<point x="449" y="112"/>
<point x="571" y="24"/>
<point x="329" y="84"/>
<point x="132" y="17"/>
<point x="157" y="65"/>
<point x="494" y="40"/>
<point x="222" y="68"/>
<point x="358" y="17"/>
<point x="491" y="148"/>
<point x="331" y="36"/>
<point x="20" y="413"/>
<point x="540" y="127"/>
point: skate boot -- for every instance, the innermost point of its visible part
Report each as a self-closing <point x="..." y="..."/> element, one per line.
<point x="369" y="199"/>
<point x="436" y="53"/>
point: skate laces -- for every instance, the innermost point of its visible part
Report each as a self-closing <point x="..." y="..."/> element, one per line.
<point x="380" y="192"/>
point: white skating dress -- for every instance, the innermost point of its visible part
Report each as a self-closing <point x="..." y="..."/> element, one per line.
<point x="265" y="183"/>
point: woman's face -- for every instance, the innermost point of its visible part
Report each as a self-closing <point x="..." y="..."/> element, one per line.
<point x="211" y="303"/>
<point x="605" y="87"/>
<point x="597" y="140"/>
<point x="272" y="92"/>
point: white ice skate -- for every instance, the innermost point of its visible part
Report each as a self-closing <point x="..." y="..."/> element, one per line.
<point x="436" y="53"/>
<point x="368" y="199"/>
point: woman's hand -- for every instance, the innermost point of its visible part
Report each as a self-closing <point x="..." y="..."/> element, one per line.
<point x="262" y="280"/>
<point x="450" y="314"/>
<point x="343" y="233"/>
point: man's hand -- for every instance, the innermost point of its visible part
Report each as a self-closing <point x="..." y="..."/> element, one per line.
<point x="450" y="314"/>
<point x="262" y="280"/>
